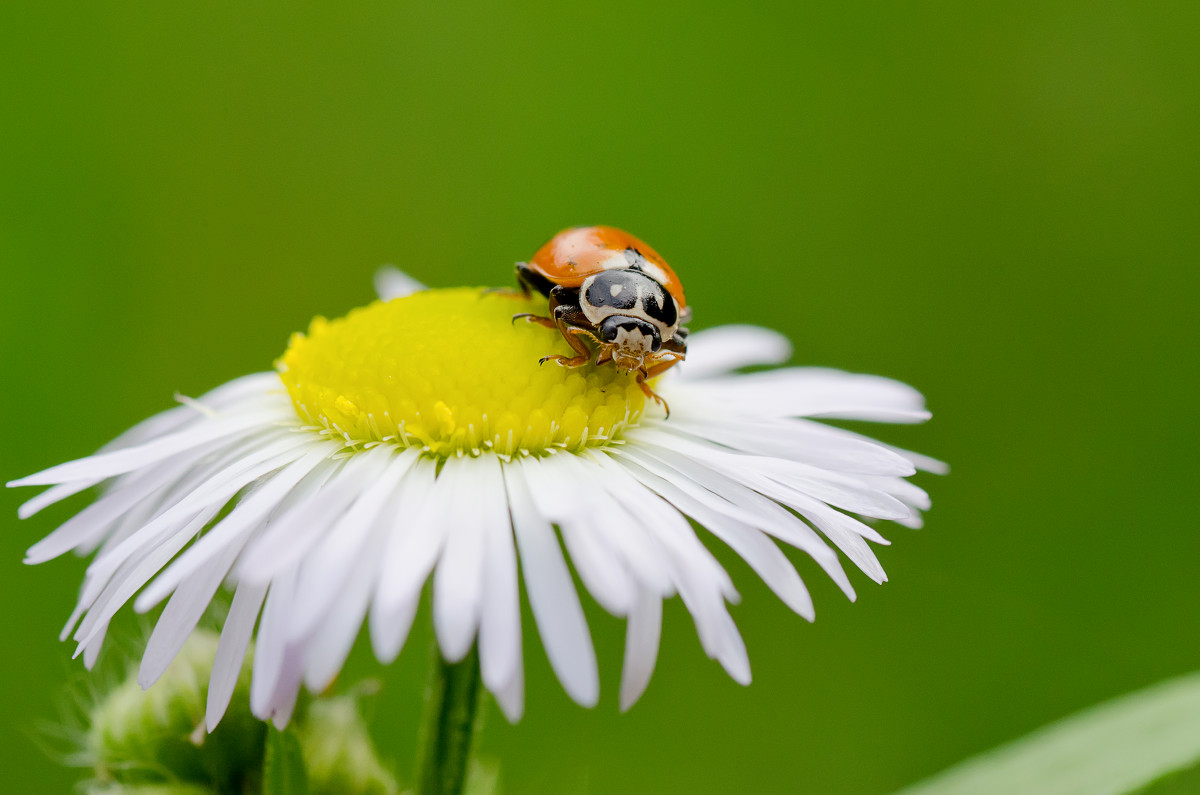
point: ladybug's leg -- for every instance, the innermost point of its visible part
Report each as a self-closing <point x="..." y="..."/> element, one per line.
<point x="572" y="336"/>
<point x="564" y="302"/>
<point x="676" y="350"/>
<point x="528" y="281"/>
<point x="531" y="281"/>
<point x="659" y="369"/>
<point x="650" y="393"/>
<point x="677" y="345"/>
<point x="532" y="318"/>
<point x="573" y="324"/>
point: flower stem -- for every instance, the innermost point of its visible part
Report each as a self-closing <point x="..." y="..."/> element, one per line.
<point x="448" y="727"/>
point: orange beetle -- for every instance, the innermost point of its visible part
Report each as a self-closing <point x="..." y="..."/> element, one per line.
<point x="607" y="286"/>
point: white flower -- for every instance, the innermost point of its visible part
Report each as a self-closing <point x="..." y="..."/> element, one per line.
<point x="419" y="437"/>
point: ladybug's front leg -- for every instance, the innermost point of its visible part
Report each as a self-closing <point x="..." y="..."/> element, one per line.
<point x="676" y="351"/>
<point x="532" y="318"/>
<point x="573" y="335"/>
<point x="660" y="368"/>
<point x="654" y="371"/>
<point x="580" y="347"/>
<point x="572" y="324"/>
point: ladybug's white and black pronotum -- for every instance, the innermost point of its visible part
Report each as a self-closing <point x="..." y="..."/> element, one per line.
<point x="610" y="287"/>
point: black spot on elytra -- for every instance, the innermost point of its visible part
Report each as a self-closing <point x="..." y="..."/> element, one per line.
<point x="659" y="305"/>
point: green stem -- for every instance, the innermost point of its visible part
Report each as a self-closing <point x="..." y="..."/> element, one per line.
<point x="448" y="727"/>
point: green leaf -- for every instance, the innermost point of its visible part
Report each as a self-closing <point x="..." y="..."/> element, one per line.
<point x="1117" y="747"/>
<point x="283" y="767"/>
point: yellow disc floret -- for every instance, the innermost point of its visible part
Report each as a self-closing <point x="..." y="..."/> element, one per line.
<point x="448" y="371"/>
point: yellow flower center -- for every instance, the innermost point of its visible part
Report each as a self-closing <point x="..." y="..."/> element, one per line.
<point x="448" y="371"/>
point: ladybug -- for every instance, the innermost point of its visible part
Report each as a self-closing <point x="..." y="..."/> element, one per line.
<point x="610" y="287"/>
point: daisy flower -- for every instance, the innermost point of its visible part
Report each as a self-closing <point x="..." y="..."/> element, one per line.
<point x="417" y="438"/>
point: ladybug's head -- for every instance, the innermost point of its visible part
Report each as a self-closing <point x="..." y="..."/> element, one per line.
<point x="632" y="340"/>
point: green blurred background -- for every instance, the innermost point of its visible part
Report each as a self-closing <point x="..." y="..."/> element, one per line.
<point x="995" y="202"/>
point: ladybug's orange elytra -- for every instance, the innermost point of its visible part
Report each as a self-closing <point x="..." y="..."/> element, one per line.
<point x="574" y="254"/>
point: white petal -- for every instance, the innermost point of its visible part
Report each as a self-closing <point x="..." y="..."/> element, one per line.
<point x="500" y="619"/>
<point x="118" y="462"/>
<point x="287" y="692"/>
<point x="703" y="584"/>
<point x="274" y="666"/>
<point x="291" y="535"/>
<point x="846" y="533"/>
<point x="663" y="522"/>
<point x="714" y="626"/>
<point x="92" y="652"/>
<point x="96" y="520"/>
<point x="641" y="647"/>
<point x="70" y="625"/>
<point x="233" y="529"/>
<point x="116" y="534"/>
<point x="814" y="392"/>
<point x="810" y="502"/>
<point x="921" y="462"/>
<point x="231" y="650"/>
<point x="552" y="597"/>
<point x="602" y="571"/>
<point x="390" y="627"/>
<point x="52" y="495"/>
<point x="417" y="536"/>
<point x="732" y="654"/>
<point x="181" y="615"/>
<point x="325" y="571"/>
<point x="719" y="350"/>
<point x="458" y="580"/>
<point x="511" y="697"/>
<point x="777" y="478"/>
<point x="751" y="544"/>
<point x="99" y="582"/>
<point x="786" y="478"/>
<point x="332" y="640"/>
<point x="725" y="495"/>
<point x="391" y="282"/>
<point x="796" y="440"/>
<point x="214" y="491"/>
<point x="608" y="518"/>
<point x="908" y="493"/>
<point x="135" y="573"/>
<point x="325" y="627"/>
